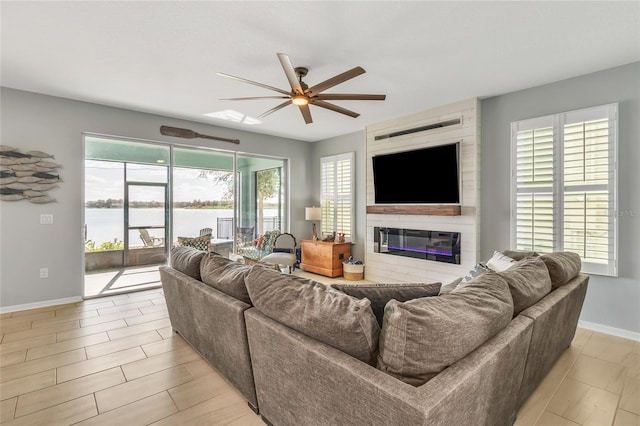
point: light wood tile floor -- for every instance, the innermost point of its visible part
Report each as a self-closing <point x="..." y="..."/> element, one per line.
<point x="109" y="361"/>
<point x="116" y="361"/>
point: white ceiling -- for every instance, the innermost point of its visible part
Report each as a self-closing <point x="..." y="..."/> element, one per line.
<point x="162" y="57"/>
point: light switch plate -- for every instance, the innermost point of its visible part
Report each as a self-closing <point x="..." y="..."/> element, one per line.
<point x="46" y="219"/>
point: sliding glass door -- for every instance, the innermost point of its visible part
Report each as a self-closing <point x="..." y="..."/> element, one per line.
<point x="203" y="193"/>
<point x="142" y="198"/>
<point x="262" y="203"/>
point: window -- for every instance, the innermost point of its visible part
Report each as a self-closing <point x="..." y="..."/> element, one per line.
<point x="563" y="183"/>
<point x="336" y="194"/>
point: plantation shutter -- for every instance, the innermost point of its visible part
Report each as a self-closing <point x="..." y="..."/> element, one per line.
<point x="589" y="186"/>
<point x="336" y="194"/>
<point x="564" y="186"/>
<point x="533" y="179"/>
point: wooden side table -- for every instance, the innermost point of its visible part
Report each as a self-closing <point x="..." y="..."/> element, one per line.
<point x="324" y="258"/>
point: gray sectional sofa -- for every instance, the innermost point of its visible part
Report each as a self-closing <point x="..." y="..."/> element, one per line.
<point x="304" y="353"/>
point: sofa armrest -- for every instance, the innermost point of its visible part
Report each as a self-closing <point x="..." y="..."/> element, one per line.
<point x="213" y="323"/>
<point x="302" y="381"/>
<point x="555" y="319"/>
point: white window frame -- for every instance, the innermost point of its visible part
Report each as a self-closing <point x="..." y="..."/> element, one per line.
<point x="558" y="187"/>
<point x="329" y="225"/>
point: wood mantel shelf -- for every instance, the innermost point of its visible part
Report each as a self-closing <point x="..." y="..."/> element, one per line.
<point x="435" y="210"/>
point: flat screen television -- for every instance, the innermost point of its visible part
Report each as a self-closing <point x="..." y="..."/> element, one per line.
<point x="421" y="176"/>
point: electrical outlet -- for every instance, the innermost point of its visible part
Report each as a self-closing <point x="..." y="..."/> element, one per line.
<point x="46" y="219"/>
<point x="44" y="272"/>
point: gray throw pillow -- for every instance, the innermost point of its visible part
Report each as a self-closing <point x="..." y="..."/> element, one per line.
<point x="562" y="266"/>
<point x="448" y="288"/>
<point x="528" y="281"/>
<point x="519" y="255"/>
<point x="422" y="337"/>
<point x="317" y="310"/>
<point x="225" y="275"/>
<point x="187" y="260"/>
<point x="380" y="294"/>
<point x="475" y="272"/>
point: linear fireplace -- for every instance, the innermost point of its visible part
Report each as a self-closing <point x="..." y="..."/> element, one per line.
<point x="429" y="245"/>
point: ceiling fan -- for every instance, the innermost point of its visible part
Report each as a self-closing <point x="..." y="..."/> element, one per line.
<point x="302" y="95"/>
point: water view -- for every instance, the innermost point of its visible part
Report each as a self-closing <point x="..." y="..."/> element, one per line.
<point x="106" y="224"/>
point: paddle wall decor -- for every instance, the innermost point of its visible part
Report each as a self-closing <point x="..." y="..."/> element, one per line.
<point x="27" y="175"/>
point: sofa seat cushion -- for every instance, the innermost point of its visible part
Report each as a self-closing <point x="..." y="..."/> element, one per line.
<point x="422" y="337"/>
<point x="562" y="266"/>
<point x="316" y="310"/>
<point x="225" y="275"/>
<point x="528" y="281"/>
<point x="380" y="294"/>
<point x="187" y="260"/>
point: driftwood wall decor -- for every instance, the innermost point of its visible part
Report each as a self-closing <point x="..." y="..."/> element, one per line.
<point x="27" y="175"/>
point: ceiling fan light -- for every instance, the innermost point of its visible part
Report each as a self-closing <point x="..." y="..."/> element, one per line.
<point x="300" y="100"/>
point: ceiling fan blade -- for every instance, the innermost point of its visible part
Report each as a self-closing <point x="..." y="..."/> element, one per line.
<point x="306" y="114"/>
<point x="350" y="97"/>
<point x="290" y="73"/>
<point x="255" y="97"/>
<point x="333" y="81"/>
<point x="274" y="109"/>
<point x="255" y="83"/>
<point x="335" y="108"/>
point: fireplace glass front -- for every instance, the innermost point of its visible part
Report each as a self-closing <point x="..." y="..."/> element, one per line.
<point x="419" y="244"/>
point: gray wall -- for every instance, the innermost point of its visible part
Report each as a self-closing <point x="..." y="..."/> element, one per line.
<point x="613" y="302"/>
<point x="352" y="142"/>
<point x="55" y="125"/>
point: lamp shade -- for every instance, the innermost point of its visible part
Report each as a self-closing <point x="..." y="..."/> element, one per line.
<point x="312" y="213"/>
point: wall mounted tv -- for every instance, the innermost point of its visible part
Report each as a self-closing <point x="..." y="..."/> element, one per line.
<point x="422" y="176"/>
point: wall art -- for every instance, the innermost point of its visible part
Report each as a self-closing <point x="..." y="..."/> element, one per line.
<point x="27" y="175"/>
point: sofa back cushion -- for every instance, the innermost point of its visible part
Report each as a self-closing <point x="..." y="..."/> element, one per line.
<point x="187" y="260"/>
<point x="380" y="294"/>
<point x="317" y="310"/>
<point x="528" y="281"/>
<point x="225" y="275"/>
<point x="562" y="266"/>
<point x="422" y="337"/>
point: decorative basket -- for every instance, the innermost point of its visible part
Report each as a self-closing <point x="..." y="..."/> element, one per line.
<point x="352" y="272"/>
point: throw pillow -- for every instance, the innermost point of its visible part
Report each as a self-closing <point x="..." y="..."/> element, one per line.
<point x="528" y="281"/>
<point x="519" y="255"/>
<point x="475" y="272"/>
<point x="187" y="260"/>
<point x="380" y="294"/>
<point x="225" y="275"/>
<point x="562" y="266"/>
<point x="448" y="288"/>
<point x="317" y="310"/>
<point x="422" y="337"/>
<point x="499" y="262"/>
<point x="200" y="243"/>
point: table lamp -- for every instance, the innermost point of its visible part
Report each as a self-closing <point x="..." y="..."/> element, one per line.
<point x="312" y="213"/>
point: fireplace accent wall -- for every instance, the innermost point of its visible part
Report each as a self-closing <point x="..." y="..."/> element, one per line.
<point x="438" y="246"/>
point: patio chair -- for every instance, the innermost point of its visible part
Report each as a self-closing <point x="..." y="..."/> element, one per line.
<point x="283" y="251"/>
<point x="150" y="241"/>
<point x="245" y="235"/>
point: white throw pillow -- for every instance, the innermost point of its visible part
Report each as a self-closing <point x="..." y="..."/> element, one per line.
<point x="500" y="262"/>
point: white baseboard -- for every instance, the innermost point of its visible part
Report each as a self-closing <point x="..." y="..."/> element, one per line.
<point x="626" y="334"/>
<point x="43" y="304"/>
